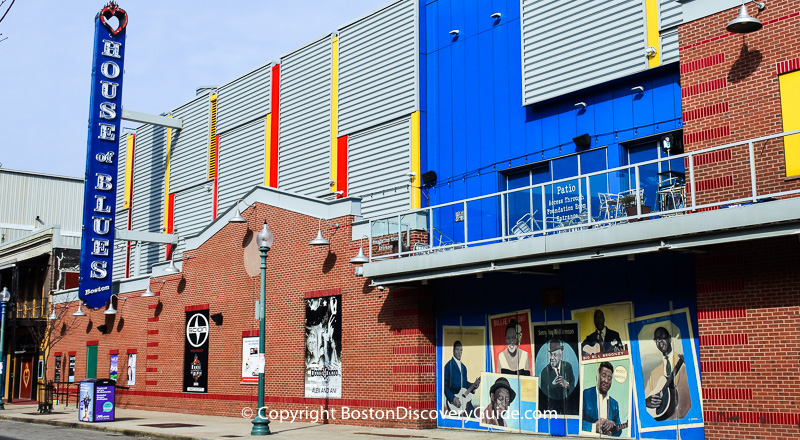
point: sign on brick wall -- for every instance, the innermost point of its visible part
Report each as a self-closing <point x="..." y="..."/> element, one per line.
<point x="195" y="359"/>
<point x="324" y="347"/>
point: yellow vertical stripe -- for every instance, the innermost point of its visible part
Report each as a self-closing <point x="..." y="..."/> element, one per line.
<point x="267" y="148"/>
<point x="128" y="172"/>
<point x="334" y="110"/>
<point x="790" y="110"/>
<point x="212" y="139"/>
<point x="166" y="179"/>
<point x="416" y="195"/>
<point x="651" y="11"/>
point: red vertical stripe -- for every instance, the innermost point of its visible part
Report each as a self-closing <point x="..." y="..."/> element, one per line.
<point x="216" y="176"/>
<point x="341" y="167"/>
<point x="273" y="142"/>
<point x="170" y="218"/>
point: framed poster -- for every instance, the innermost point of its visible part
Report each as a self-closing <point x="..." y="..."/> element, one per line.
<point x="131" y="369"/>
<point x="71" y="370"/>
<point x="557" y="367"/>
<point x="511" y="342"/>
<point x="57" y="370"/>
<point x="323" y="377"/>
<point x="113" y="368"/>
<point x="250" y="359"/>
<point x="195" y="358"/>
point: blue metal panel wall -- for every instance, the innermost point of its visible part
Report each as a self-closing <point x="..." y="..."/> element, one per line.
<point x="476" y="127"/>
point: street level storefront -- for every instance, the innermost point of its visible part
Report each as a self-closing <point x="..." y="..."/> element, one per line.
<point x="333" y="342"/>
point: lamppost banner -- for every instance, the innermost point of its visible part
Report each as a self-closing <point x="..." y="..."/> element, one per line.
<point x="102" y="149"/>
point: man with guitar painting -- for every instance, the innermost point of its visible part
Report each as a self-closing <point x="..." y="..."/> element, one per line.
<point x="603" y="340"/>
<point x="600" y="410"/>
<point x="457" y="389"/>
<point x="667" y="389"/>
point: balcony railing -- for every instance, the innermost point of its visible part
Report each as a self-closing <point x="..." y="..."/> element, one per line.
<point x="713" y="178"/>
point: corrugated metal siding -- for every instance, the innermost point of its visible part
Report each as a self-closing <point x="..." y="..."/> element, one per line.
<point x="670" y="15"/>
<point x="55" y="200"/>
<point x="377" y="67"/>
<point x="192" y="211"/>
<point x="148" y="188"/>
<point x="378" y="166"/>
<point x="597" y="41"/>
<point x="241" y="162"/>
<point x="244" y="99"/>
<point x="305" y="124"/>
<point x="189" y="153"/>
<point x="121" y="216"/>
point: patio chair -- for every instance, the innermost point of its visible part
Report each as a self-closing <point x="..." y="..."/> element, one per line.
<point x="525" y="225"/>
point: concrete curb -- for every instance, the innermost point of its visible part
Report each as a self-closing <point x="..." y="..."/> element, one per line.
<point x="99" y="427"/>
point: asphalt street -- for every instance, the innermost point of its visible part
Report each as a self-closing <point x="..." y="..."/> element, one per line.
<point x="35" y="431"/>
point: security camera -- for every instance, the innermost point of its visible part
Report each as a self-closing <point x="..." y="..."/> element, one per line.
<point x="381" y="288"/>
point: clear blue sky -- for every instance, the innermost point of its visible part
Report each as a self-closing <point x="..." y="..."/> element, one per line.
<point x="172" y="47"/>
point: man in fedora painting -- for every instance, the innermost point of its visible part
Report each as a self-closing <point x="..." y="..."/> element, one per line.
<point x="500" y="397"/>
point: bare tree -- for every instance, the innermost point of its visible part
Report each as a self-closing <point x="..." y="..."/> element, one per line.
<point x="46" y="335"/>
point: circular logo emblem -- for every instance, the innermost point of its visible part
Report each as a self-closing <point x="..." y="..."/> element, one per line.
<point x="108" y="406"/>
<point x="197" y="330"/>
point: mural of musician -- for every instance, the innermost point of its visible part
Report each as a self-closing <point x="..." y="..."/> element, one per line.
<point x="604" y="331"/>
<point x="666" y="370"/>
<point x="557" y="367"/>
<point x="323" y="378"/>
<point x="605" y="402"/>
<point x="461" y="393"/>
<point x="511" y="343"/>
<point x="509" y="402"/>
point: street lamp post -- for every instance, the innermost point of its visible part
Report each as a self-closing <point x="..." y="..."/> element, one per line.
<point x="264" y="239"/>
<point x="5" y="297"/>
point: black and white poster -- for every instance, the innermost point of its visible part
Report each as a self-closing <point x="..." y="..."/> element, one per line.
<point x="71" y="370"/>
<point x="324" y="347"/>
<point x="195" y="358"/>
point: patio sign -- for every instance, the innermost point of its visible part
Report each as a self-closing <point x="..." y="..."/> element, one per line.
<point x="99" y="196"/>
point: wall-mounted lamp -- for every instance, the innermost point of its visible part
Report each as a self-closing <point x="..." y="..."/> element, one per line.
<point x="360" y="258"/>
<point x="582" y="141"/>
<point x="111" y="310"/>
<point x="171" y="268"/>
<point x="80" y="311"/>
<point x="637" y="89"/>
<point x="319" y="240"/>
<point x="580" y="105"/>
<point x="496" y="15"/>
<point x="217" y="318"/>
<point x="454" y="32"/>
<point x="744" y="23"/>
<point x="650" y="52"/>
<point x="237" y="215"/>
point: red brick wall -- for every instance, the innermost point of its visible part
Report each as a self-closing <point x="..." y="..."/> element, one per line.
<point x="731" y="94"/>
<point x="387" y="336"/>
<point x="748" y="299"/>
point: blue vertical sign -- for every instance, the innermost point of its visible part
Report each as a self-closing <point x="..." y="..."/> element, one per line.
<point x="99" y="197"/>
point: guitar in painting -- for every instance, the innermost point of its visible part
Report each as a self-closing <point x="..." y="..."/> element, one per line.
<point x="666" y="395"/>
<point x="464" y="396"/>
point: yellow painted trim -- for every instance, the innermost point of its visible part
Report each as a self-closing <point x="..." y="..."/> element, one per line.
<point x="416" y="195"/>
<point x="651" y="11"/>
<point x="790" y="112"/>
<point x="166" y="178"/>
<point x="212" y="139"/>
<point x="334" y="111"/>
<point x="128" y="173"/>
<point x="267" y="145"/>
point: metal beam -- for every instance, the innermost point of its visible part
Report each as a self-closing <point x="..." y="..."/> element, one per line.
<point x="147" y="237"/>
<point x="145" y="118"/>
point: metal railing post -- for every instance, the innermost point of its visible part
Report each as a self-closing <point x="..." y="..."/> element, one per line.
<point x="752" y="172"/>
<point x="691" y="181"/>
<point x="502" y="217"/>
<point x="588" y="201"/>
<point x="370" y="241"/>
<point x="466" y="240"/>
<point x="638" y="185"/>
<point x="399" y="237"/>
<point x="544" y="210"/>
<point x="430" y="229"/>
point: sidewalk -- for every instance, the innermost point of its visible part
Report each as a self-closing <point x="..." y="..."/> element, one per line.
<point x="145" y="424"/>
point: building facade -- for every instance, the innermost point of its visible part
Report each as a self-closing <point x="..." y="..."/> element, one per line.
<point x="590" y="208"/>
